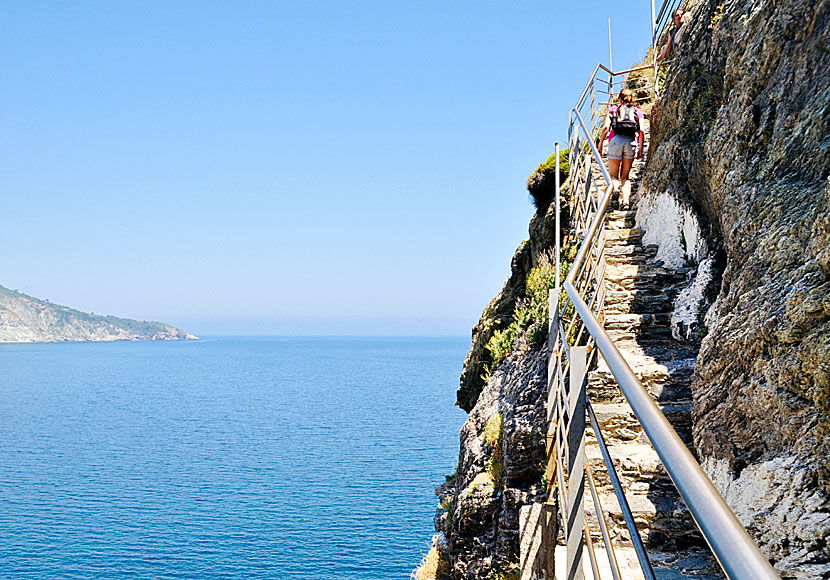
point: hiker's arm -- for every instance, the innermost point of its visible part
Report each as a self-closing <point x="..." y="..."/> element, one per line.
<point x="665" y="53"/>
<point x="641" y="138"/>
<point x="601" y="140"/>
<point x="604" y="134"/>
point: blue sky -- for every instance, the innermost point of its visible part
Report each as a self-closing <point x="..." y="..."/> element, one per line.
<point x="304" y="167"/>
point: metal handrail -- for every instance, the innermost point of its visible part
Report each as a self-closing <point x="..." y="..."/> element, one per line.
<point x="734" y="549"/>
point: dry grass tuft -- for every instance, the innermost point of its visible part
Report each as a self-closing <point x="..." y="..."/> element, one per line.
<point x="434" y="566"/>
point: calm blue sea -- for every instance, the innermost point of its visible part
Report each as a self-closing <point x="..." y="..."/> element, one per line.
<point x="296" y="458"/>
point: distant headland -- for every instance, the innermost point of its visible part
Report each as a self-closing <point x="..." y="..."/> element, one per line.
<point x="27" y="319"/>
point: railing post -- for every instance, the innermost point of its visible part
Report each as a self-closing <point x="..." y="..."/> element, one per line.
<point x="576" y="462"/>
<point x="654" y="46"/>
<point x="558" y="242"/>
<point x="549" y="528"/>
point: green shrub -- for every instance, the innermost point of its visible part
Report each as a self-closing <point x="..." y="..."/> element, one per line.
<point x="493" y="436"/>
<point x="549" y="165"/>
<point x="530" y="318"/>
<point x="542" y="182"/>
<point x="509" y="572"/>
<point x="493" y="430"/>
<point x="500" y="346"/>
<point x="716" y="17"/>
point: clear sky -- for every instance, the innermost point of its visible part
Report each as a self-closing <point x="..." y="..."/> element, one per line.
<point x="285" y="167"/>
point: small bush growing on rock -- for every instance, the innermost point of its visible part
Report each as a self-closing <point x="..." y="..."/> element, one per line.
<point x="716" y="17"/>
<point x="509" y="572"/>
<point x="434" y="566"/>
<point x="484" y="482"/>
<point x="542" y="182"/>
<point x="530" y="319"/>
<point x="544" y="480"/>
<point x="493" y="430"/>
<point x="493" y="435"/>
<point x="446" y="505"/>
<point x="500" y="346"/>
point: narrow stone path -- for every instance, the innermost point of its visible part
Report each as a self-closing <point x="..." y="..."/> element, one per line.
<point x="639" y="293"/>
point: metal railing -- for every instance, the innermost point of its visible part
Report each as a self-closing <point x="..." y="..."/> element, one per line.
<point x="598" y="96"/>
<point x="576" y="335"/>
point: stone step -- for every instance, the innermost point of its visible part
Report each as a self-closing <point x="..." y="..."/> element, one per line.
<point x="681" y="564"/>
<point x="630" y="326"/>
<point x="659" y="513"/>
<point x="630" y="254"/>
<point x="631" y="276"/>
<point x="640" y="301"/>
<point x="618" y="422"/>
<point x="622" y="236"/>
<point x="637" y="464"/>
<point x="621" y="219"/>
<point x="662" y="522"/>
<point x="656" y="334"/>
<point x="664" y="368"/>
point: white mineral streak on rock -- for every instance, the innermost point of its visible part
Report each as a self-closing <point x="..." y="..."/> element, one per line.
<point x="673" y="227"/>
<point x="686" y="313"/>
<point x="776" y="501"/>
<point x="713" y="315"/>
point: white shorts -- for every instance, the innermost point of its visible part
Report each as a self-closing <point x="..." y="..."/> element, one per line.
<point x="622" y="147"/>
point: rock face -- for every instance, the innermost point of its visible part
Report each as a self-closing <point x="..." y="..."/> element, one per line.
<point x="484" y="525"/>
<point x="27" y="319"/>
<point x="743" y="147"/>
<point x="480" y="510"/>
<point x="496" y="316"/>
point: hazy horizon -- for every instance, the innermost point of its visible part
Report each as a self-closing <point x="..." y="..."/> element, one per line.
<point x="334" y="167"/>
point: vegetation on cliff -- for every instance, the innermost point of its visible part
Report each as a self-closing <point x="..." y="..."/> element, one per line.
<point x="542" y="182"/>
<point x="530" y="317"/>
<point x="519" y="311"/>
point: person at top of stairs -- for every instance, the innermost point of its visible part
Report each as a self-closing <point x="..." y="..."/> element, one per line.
<point x="624" y="126"/>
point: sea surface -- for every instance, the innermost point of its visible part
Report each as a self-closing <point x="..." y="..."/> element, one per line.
<point x="293" y="458"/>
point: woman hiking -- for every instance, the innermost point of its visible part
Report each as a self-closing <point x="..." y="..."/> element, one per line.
<point x="624" y="123"/>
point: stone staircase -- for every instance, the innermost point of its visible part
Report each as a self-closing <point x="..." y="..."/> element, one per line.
<point x="638" y="297"/>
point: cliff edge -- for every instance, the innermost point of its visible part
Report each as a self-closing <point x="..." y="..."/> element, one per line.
<point x="736" y="192"/>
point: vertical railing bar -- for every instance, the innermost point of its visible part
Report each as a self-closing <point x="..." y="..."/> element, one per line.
<point x="640" y="550"/>
<point x="576" y="464"/>
<point x="603" y="526"/>
<point x="591" y="555"/>
<point x="563" y="492"/>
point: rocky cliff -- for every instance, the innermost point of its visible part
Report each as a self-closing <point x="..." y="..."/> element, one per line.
<point x="27" y="319"/>
<point x="736" y="191"/>
<point x="500" y="464"/>
<point x="741" y="160"/>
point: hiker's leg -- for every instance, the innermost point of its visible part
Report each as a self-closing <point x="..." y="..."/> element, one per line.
<point x="614" y="170"/>
<point x="616" y="150"/>
<point x="625" y="169"/>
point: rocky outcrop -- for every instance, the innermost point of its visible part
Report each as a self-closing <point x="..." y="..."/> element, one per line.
<point x="497" y="476"/>
<point x="27" y="319"/>
<point x="497" y="315"/>
<point x="743" y="150"/>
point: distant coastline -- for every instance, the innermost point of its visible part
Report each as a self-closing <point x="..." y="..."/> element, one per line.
<point x="26" y="319"/>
